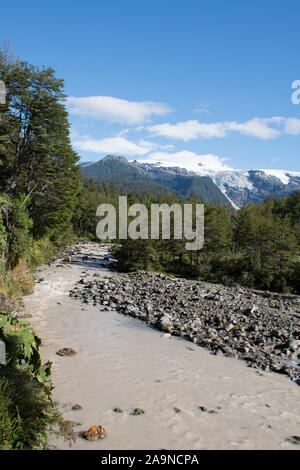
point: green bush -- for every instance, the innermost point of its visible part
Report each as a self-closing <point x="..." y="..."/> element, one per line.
<point x="10" y="421"/>
<point x="40" y="252"/>
<point x="27" y="412"/>
<point x="15" y="227"/>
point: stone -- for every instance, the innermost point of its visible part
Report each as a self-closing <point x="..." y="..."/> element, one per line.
<point x="294" y="440"/>
<point x="167" y="336"/>
<point x="166" y="323"/>
<point x="94" y="433"/>
<point x="76" y="407"/>
<point x="70" y="424"/>
<point x="66" y="352"/>
<point x="137" y="411"/>
<point x="118" y="410"/>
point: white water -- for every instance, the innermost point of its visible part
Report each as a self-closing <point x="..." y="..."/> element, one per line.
<point x="121" y="362"/>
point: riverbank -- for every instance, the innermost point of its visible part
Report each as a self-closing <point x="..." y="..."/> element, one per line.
<point x="191" y="399"/>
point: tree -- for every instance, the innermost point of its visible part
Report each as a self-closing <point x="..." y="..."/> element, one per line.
<point x="35" y="148"/>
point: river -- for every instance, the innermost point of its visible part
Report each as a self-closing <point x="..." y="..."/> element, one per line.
<point x="191" y="399"/>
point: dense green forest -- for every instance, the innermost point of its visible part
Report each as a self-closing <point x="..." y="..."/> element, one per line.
<point x="45" y="204"/>
<point x="257" y="246"/>
<point x="39" y="176"/>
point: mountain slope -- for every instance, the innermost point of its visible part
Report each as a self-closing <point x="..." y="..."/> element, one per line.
<point x="239" y="186"/>
<point x="141" y="177"/>
<point x="243" y="186"/>
<point x="118" y="171"/>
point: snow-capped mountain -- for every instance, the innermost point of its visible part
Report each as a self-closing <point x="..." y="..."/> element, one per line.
<point x="219" y="184"/>
<point x="255" y="185"/>
<point x="141" y="177"/>
<point x="239" y="186"/>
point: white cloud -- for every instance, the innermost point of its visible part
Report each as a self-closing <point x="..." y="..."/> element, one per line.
<point x="262" y="128"/>
<point x="122" y="132"/>
<point x="188" y="130"/>
<point x="256" y="127"/>
<point x="154" y="145"/>
<point x="202" y="110"/>
<point x="188" y="160"/>
<point x="292" y="126"/>
<point x="113" y="109"/>
<point x="75" y="135"/>
<point x="115" y="145"/>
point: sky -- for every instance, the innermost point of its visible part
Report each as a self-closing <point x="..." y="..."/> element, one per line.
<point x="179" y="81"/>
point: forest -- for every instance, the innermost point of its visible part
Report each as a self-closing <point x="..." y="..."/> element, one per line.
<point x="256" y="246"/>
<point x="46" y="204"/>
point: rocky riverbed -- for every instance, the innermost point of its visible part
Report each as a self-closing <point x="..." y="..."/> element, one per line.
<point x="260" y="328"/>
<point x="146" y="388"/>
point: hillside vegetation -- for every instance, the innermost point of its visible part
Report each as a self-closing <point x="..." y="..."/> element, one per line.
<point x="257" y="246"/>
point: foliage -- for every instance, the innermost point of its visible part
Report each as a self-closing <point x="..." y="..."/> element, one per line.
<point x="41" y="251"/>
<point x="27" y="412"/>
<point x="38" y="165"/>
<point x="18" y="225"/>
<point x="17" y="282"/>
<point x="10" y="421"/>
<point x="258" y="246"/>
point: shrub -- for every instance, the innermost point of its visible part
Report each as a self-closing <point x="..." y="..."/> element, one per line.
<point x="27" y="412"/>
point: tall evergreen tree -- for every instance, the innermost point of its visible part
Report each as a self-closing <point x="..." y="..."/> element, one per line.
<point x="36" y="157"/>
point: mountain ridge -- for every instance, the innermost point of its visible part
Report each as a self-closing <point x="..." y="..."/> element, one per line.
<point x="237" y="187"/>
<point x="119" y="171"/>
<point x="244" y="186"/>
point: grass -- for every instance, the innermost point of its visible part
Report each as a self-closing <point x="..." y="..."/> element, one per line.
<point x="17" y="282"/>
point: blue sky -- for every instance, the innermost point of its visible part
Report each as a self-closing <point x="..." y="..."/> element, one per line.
<point x="173" y="80"/>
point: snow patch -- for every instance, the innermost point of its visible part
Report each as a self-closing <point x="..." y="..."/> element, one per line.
<point x="282" y="175"/>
